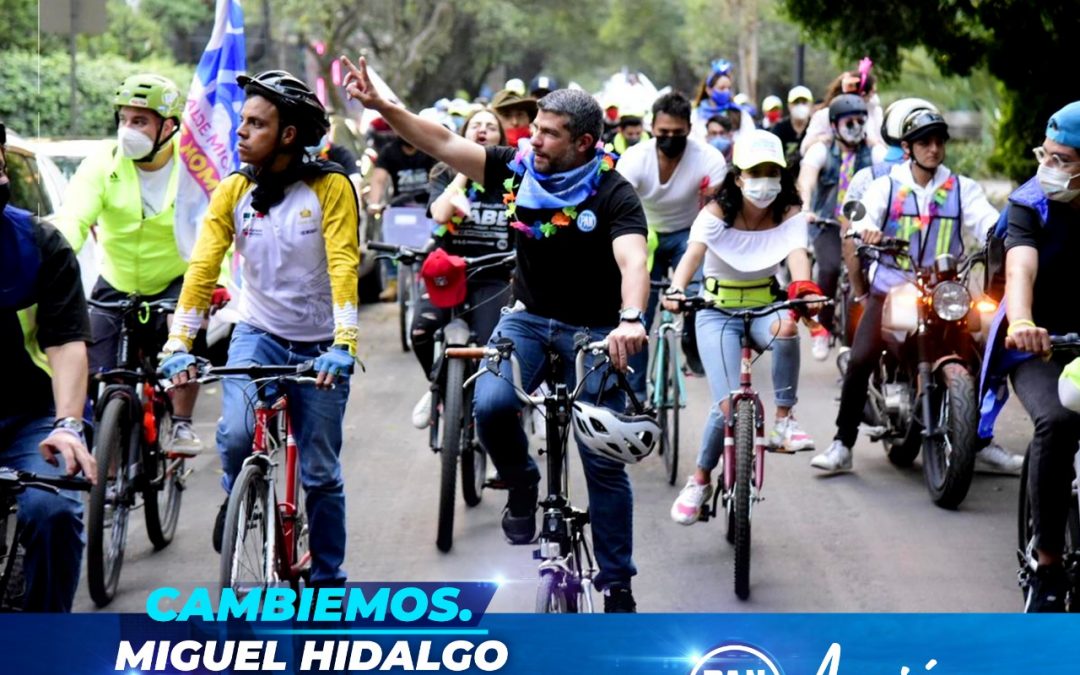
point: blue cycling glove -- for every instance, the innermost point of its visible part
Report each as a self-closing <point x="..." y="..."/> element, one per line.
<point x="337" y="361"/>
<point x="176" y="363"/>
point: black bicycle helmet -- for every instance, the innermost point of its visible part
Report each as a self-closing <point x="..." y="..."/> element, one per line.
<point x="294" y="99"/>
<point x="922" y="123"/>
<point x="846" y="104"/>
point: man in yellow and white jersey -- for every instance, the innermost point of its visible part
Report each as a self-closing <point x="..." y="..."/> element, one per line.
<point x="293" y="220"/>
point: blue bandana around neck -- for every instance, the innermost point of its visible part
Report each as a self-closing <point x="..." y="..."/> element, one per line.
<point x="556" y="190"/>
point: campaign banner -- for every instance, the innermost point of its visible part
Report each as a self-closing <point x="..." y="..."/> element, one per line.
<point x="211" y="118"/>
<point x="443" y="627"/>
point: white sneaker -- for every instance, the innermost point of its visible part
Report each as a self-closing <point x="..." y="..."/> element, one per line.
<point x="787" y="435"/>
<point x="184" y="441"/>
<point x="819" y="345"/>
<point x="687" y="507"/>
<point x="996" y="459"/>
<point x="421" y="412"/>
<point x="835" y="459"/>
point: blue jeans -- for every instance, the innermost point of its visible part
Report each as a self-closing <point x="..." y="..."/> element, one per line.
<point x="53" y="534"/>
<point x="317" y="418"/>
<point x="669" y="252"/>
<point x="498" y="428"/>
<point x="722" y="369"/>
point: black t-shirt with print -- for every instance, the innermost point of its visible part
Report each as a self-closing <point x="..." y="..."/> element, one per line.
<point x="58" y="307"/>
<point x="408" y="172"/>
<point x="572" y="275"/>
<point x="486" y="230"/>
<point x="1058" y="248"/>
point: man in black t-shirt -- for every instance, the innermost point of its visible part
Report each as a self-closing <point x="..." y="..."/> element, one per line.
<point x="579" y="231"/>
<point x="1042" y="245"/>
<point x="44" y="327"/>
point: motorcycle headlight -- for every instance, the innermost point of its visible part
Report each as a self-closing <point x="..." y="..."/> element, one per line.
<point x="951" y="301"/>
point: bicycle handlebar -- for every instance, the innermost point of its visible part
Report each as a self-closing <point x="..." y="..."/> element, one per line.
<point x="162" y="306"/>
<point x="697" y="303"/>
<point x="15" y="481"/>
<point x="496" y="354"/>
<point x="1068" y="340"/>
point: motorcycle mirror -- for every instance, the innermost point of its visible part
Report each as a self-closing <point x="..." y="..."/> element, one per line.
<point x="854" y="210"/>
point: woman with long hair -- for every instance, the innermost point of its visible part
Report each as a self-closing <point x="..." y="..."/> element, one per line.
<point x="716" y="97"/>
<point x="468" y="223"/>
<point x="742" y="237"/>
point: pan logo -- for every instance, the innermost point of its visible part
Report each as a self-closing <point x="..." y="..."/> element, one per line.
<point x="736" y="659"/>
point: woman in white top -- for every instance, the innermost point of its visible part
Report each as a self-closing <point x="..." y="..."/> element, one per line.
<point x="754" y="225"/>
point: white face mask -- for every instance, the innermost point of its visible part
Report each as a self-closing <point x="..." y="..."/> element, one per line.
<point x="1055" y="183"/>
<point x="800" y="111"/>
<point x="134" y="144"/>
<point x="761" y="191"/>
<point x="852" y="135"/>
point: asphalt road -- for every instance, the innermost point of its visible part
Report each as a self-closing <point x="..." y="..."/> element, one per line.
<point x="870" y="541"/>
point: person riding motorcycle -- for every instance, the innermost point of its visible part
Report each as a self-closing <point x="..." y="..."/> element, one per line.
<point x="825" y="174"/>
<point x="920" y="196"/>
<point x="127" y="193"/>
<point x="44" y="329"/>
<point x="294" y="222"/>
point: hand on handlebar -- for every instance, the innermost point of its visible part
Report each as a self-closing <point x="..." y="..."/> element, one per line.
<point x="672" y="301"/>
<point x="628" y="338"/>
<point x="336" y="362"/>
<point x="871" y="237"/>
<point x="179" y="368"/>
<point x="72" y="448"/>
<point x="1028" y="338"/>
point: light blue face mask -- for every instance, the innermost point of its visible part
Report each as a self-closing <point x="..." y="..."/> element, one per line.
<point x="721" y="143"/>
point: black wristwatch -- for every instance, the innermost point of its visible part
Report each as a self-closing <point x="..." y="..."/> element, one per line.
<point x="631" y="314"/>
<point x="72" y="424"/>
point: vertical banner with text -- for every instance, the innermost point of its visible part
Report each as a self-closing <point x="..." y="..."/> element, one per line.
<point x="211" y="118"/>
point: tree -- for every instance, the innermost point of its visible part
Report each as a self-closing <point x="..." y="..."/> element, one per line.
<point x="1022" y="43"/>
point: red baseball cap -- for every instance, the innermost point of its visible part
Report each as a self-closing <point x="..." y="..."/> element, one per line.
<point x="444" y="277"/>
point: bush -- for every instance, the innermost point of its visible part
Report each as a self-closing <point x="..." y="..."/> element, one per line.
<point x="24" y="104"/>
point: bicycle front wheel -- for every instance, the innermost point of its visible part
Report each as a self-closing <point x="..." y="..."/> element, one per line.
<point x="107" y="513"/>
<point x="674" y="396"/>
<point x="248" y="553"/>
<point x="453" y="409"/>
<point x="473" y="458"/>
<point x="554" y="595"/>
<point x="164" y="489"/>
<point x="744" y="464"/>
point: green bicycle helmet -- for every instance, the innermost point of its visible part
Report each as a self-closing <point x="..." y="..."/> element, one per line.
<point x="152" y="92"/>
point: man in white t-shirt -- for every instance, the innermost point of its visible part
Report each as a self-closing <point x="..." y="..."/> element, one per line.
<point x="673" y="175"/>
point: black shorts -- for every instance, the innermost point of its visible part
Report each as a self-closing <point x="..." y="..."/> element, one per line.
<point x="105" y="325"/>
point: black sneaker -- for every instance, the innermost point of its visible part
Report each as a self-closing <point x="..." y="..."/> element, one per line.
<point x="1046" y="590"/>
<point x="619" y="600"/>
<point x="219" y="525"/>
<point x="519" y="516"/>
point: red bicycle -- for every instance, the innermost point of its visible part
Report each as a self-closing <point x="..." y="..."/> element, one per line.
<point x="740" y="483"/>
<point x="265" y="541"/>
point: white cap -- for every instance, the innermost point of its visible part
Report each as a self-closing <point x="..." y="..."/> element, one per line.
<point x="757" y="147"/>
<point x="799" y="92"/>
<point x="771" y="103"/>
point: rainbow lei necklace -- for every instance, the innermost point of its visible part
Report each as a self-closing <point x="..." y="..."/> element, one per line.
<point x="940" y="196"/>
<point x="472" y="193"/>
<point x="561" y="219"/>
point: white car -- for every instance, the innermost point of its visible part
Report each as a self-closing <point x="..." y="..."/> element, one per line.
<point x="38" y="185"/>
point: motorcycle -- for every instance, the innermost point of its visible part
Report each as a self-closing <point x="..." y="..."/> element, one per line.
<point x="923" y="392"/>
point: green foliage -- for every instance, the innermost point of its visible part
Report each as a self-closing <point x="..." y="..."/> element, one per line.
<point x="19" y="27"/>
<point x="24" y="105"/>
<point x="1021" y="43"/>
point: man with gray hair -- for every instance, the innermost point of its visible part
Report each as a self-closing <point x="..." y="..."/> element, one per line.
<point x="581" y="255"/>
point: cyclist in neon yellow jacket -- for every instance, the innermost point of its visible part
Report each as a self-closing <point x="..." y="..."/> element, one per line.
<point x="129" y="191"/>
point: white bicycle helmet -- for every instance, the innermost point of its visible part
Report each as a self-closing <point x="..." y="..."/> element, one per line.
<point x="892" y="126"/>
<point x="623" y="438"/>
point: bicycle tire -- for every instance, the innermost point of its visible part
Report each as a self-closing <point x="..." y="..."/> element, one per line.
<point x="473" y="458"/>
<point x="12" y="556"/>
<point x="552" y="597"/>
<point x="744" y="464"/>
<point x="404" y="290"/>
<point x="658" y="377"/>
<point x="251" y="511"/>
<point x="450" y="448"/>
<point x="161" y="505"/>
<point x="675" y="394"/>
<point x="948" y="480"/>
<point x="104" y="559"/>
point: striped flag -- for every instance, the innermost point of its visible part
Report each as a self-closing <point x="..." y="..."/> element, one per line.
<point x="211" y="118"/>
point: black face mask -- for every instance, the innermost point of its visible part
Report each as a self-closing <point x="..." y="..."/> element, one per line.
<point x="5" y="195"/>
<point x="672" y="146"/>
